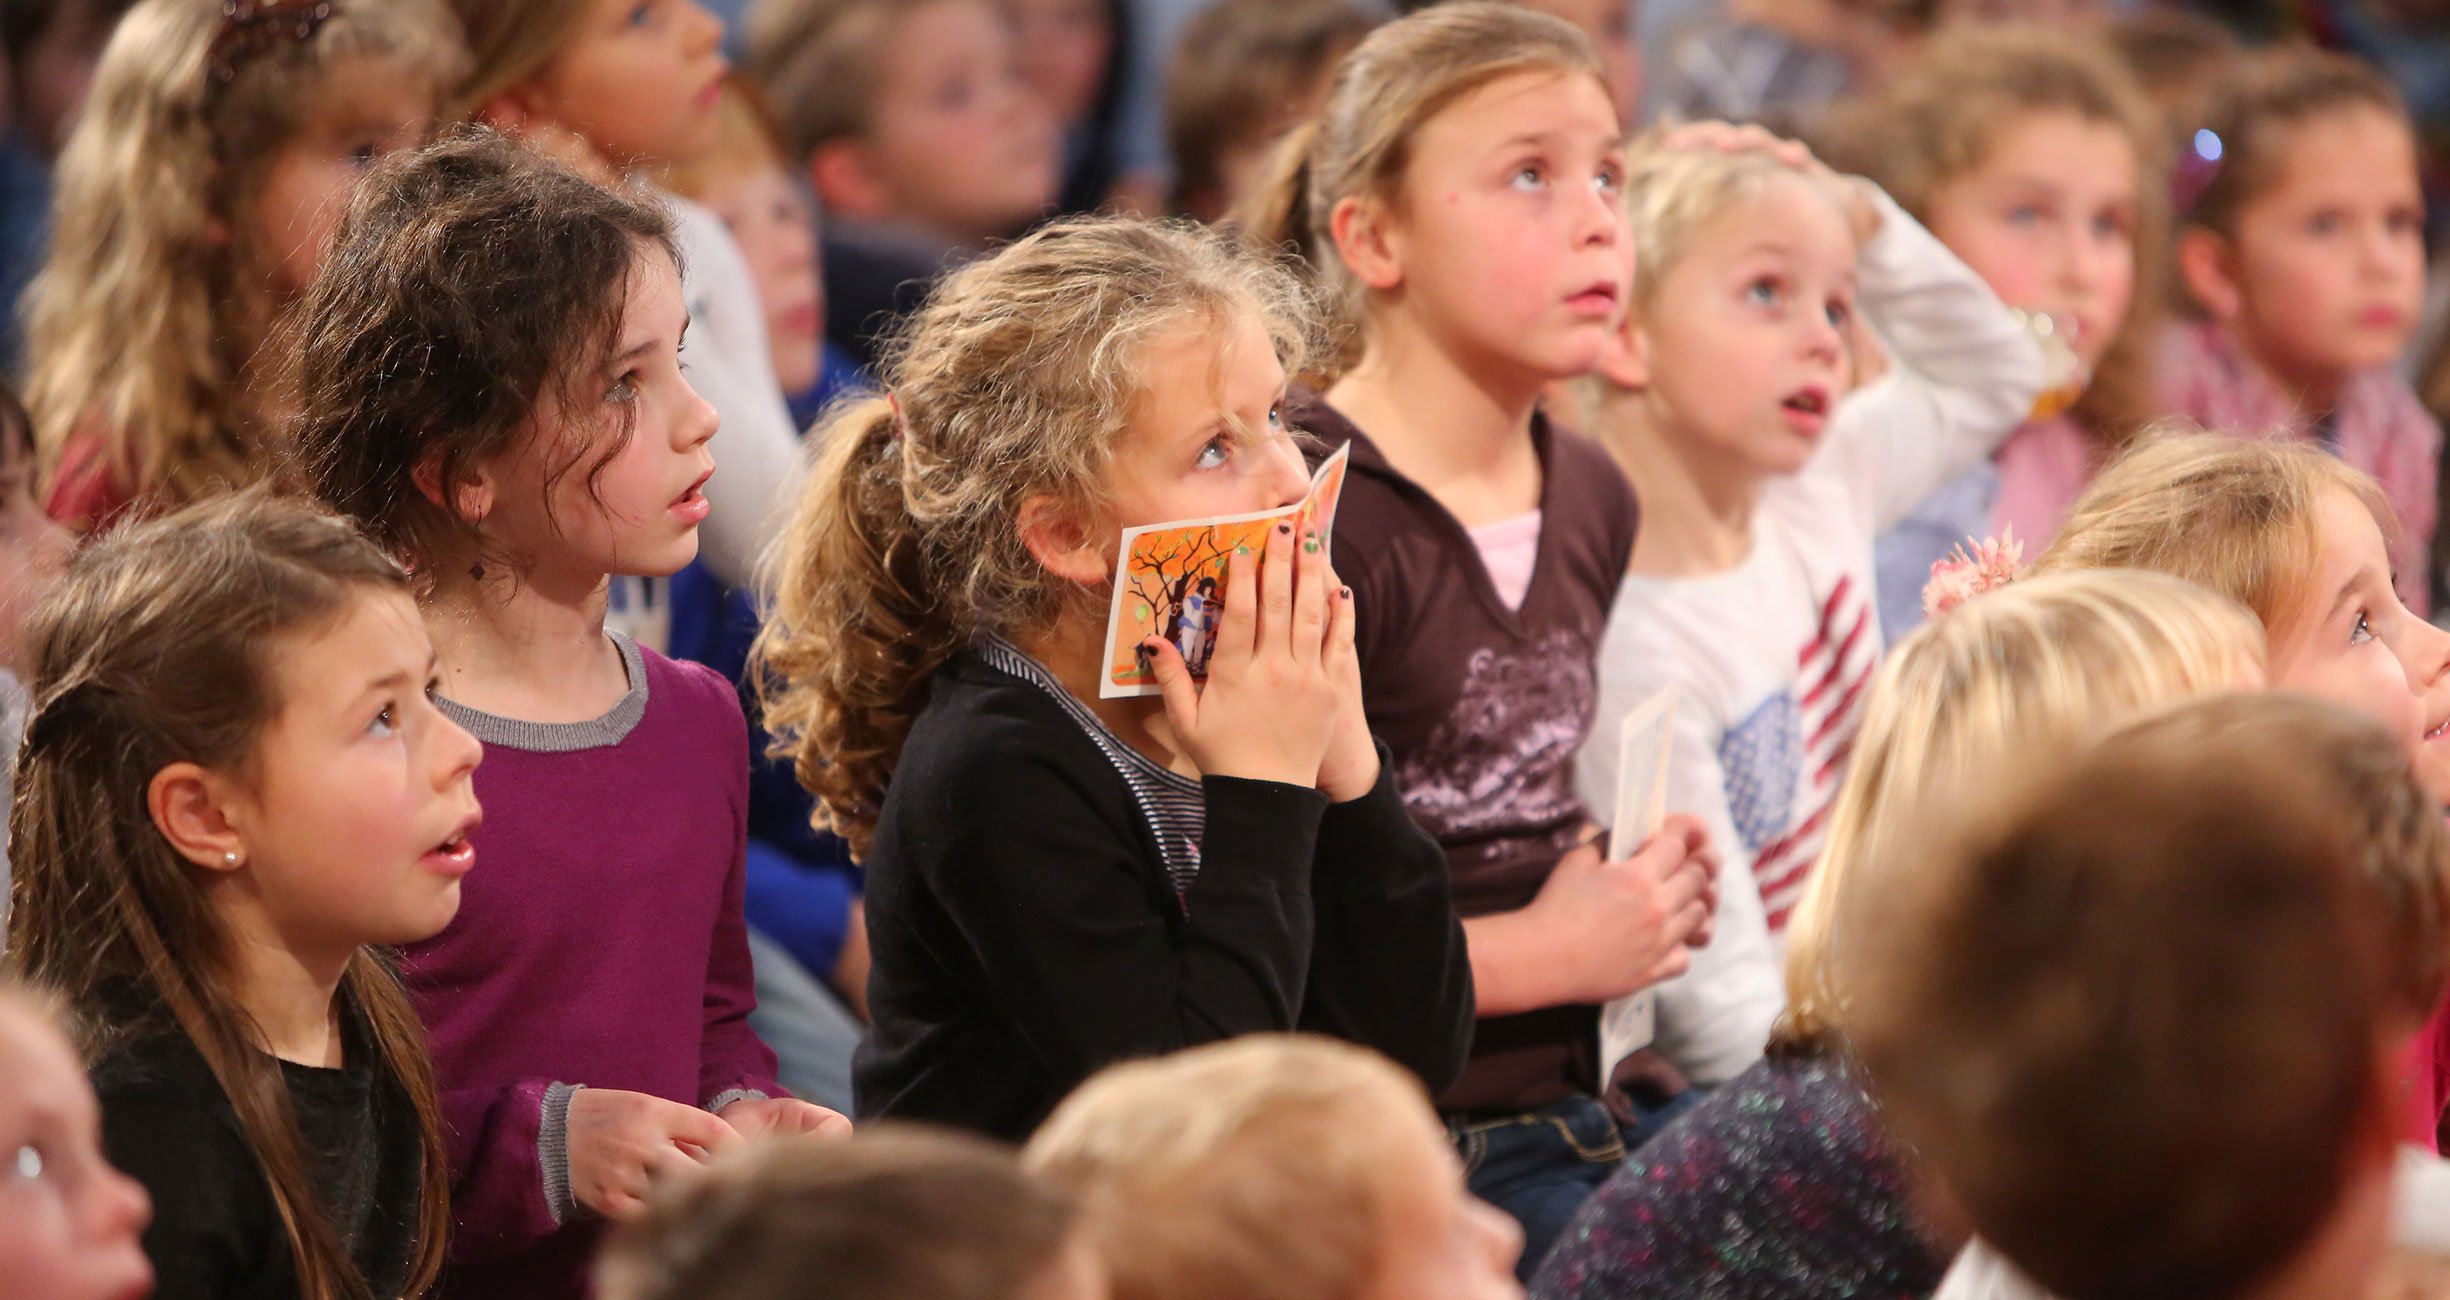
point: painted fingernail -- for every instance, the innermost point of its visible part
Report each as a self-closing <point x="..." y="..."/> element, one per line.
<point x="1310" y="544"/>
<point x="1347" y="593"/>
<point x="1284" y="530"/>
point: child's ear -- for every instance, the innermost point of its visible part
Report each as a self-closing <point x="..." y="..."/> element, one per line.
<point x="2208" y="268"/>
<point x="1060" y="544"/>
<point x="839" y="171"/>
<point x="1625" y="361"/>
<point x="475" y="495"/>
<point x="508" y="112"/>
<point x="192" y="809"/>
<point x="1369" y="240"/>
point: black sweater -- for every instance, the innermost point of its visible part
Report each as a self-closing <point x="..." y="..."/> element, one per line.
<point x="216" y="1231"/>
<point x="1025" y="932"/>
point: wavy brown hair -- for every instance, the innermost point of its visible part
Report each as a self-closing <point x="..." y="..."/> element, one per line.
<point x="471" y="285"/>
<point x="1397" y="79"/>
<point x="160" y="648"/>
<point x="143" y="326"/>
<point x="1016" y="380"/>
<point x="1938" y="116"/>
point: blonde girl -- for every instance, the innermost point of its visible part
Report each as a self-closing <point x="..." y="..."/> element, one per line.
<point x="235" y="788"/>
<point x="2034" y="155"/>
<point x="2301" y="250"/>
<point x="2303" y="541"/>
<point x="1792" y="1148"/>
<point x="616" y="87"/>
<point x="1058" y="881"/>
<point x="1765" y="474"/>
<point x="194" y="200"/>
<point x="1457" y="200"/>
<point x="546" y="441"/>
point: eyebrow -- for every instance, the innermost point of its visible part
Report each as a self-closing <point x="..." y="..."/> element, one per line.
<point x="399" y="677"/>
<point x="647" y="344"/>
<point x="1613" y="144"/>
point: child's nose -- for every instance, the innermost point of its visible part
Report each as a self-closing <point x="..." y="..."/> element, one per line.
<point x="696" y="425"/>
<point x="122" y="1207"/>
<point x="1291" y="480"/>
<point x="705" y="29"/>
<point x="456" y="754"/>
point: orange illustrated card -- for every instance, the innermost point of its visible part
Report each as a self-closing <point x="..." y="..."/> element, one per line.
<point x="1169" y="579"/>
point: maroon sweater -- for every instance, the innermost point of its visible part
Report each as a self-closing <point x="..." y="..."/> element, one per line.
<point x="599" y="942"/>
<point x="1484" y="707"/>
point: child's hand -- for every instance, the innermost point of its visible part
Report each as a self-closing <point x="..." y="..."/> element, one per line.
<point x="1852" y="196"/>
<point x="622" y="1143"/>
<point x="757" y="1117"/>
<point x="1270" y="705"/>
<point x="1620" y="927"/>
<point x="1351" y="767"/>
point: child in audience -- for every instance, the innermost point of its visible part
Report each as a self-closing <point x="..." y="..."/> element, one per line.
<point x="1764" y="481"/>
<point x="196" y="195"/>
<point x="546" y="440"/>
<point x="2177" y="56"/>
<point x="1246" y="72"/>
<point x="2301" y="245"/>
<point x="48" y="49"/>
<point x="2034" y="156"/>
<point x="1275" y="1165"/>
<point x="748" y="182"/>
<point x="2297" y="537"/>
<point x="70" y="1226"/>
<point x="1072" y="56"/>
<point x="612" y="87"/>
<point x="2140" y="1015"/>
<point x="893" y="1214"/>
<point x="1058" y="881"/>
<point x="919" y="136"/>
<point x="235" y="786"/>
<point x="1457" y="199"/>
<point x="1791" y="1149"/>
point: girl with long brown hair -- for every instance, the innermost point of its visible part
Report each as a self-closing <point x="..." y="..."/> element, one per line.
<point x="236" y="785"/>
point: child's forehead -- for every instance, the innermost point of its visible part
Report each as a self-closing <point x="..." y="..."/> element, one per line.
<point x="1781" y="215"/>
<point x="2348" y="148"/>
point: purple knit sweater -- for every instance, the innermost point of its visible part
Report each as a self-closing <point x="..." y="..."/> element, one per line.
<point x="599" y="944"/>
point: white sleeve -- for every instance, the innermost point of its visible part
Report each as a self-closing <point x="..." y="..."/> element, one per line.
<point x="1964" y="374"/>
<point x="1714" y="1020"/>
<point x="731" y="365"/>
<point x="1981" y="1273"/>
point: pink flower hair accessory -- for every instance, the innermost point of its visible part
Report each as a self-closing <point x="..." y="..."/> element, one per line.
<point x="1993" y="563"/>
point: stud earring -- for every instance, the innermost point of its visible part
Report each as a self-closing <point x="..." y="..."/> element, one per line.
<point x="230" y="858"/>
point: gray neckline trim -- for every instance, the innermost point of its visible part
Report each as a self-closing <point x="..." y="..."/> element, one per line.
<point x="564" y="737"/>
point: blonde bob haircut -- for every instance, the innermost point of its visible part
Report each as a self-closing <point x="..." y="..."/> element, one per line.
<point x="2035" y="668"/>
<point x="1251" y="1169"/>
<point x="2240" y="516"/>
<point x="1672" y="194"/>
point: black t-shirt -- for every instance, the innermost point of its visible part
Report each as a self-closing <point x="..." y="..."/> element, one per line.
<point x="215" y="1230"/>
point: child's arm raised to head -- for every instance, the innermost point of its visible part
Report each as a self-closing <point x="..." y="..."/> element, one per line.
<point x="1962" y="374"/>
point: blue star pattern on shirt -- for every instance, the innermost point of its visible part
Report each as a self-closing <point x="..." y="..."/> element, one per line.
<point x="1761" y="757"/>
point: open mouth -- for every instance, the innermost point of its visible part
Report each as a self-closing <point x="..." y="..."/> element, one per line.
<point x="455" y="850"/>
<point x="1813" y="402"/>
<point x="696" y="492"/>
<point x="2439" y="730"/>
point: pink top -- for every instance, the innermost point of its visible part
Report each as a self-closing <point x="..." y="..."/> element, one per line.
<point x="1508" y="549"/>
<point x="2043" y="467"/>
<point x="2379" y="427"/>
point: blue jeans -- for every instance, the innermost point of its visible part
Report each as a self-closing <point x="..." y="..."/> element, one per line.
<point x="1540" y="1167"/>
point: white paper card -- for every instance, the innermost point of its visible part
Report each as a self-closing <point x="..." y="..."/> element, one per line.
<point x="1628" y="1024"/>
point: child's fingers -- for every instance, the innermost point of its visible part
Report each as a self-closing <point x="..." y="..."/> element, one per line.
<point x="704" y="1130"/>
<point x="1276" y="591"/>
<point x="1310" y="599"/>
<point x="1174" y="683"/>
<point x="1342" y="623"/>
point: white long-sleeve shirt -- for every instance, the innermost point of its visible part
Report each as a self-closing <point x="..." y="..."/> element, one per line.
<point x="1773" y="657"/>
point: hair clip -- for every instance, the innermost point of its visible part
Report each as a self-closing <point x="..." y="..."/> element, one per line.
<point x="1962" y="576"/>
<point x="250" y="29"/>
<point x="894" y="433"/>
<point x="2197" y="167"/>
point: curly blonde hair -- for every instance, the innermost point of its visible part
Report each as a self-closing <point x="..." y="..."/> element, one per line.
<point x="141" y="327"/>
<point x="1017" y="380"/>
